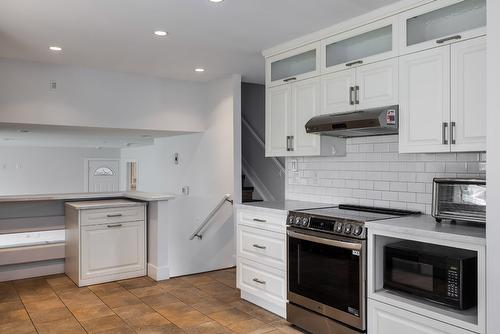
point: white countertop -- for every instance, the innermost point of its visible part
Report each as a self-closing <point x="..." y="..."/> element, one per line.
<point x="137" y="195"/>
<point x="109" y="203"/>
<point x="286" y="205"/>
<point x="426" y="226"/>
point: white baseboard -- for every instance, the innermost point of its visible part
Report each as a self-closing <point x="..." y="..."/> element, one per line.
<point x="33" y="269"/>
<point x="158" y="273"/>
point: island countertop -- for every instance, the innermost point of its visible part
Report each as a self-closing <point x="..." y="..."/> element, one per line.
<point x="137" y="195"/>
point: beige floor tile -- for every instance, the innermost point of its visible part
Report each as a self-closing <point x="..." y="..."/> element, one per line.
<point x="18" y="327"/>
<point x="265" y="315"/>
<point x="120" y="299"/>
<point x="251" y="326"/>
<point x="12" y="316"/>
<point x="188" y="319"/>
<point x="198" y="279"/>
<point x="135" y="283"/>
<point x="103" y="324"/>
<point x="66" y="326"/>
<point x="81" y="297"/>
<point x="174" y="283"/>
<point x="84" y="312"/>
<point x="107" y="288"/>
<point x="147" y="291"/>
<point x="210" y="327"/>
<point x="211" y="305"/>
<point x="43" y="304"/>
<point x="133" y="311"/>
<point x="215" y="288"/>
<point x="229" y="316"/>
<point x="11" y="306"/>
<point x="8" y="293"/>
<point x="244" y="306"/>
<point x="150" y="319"/>
<point x="159" y="301"/>
<point x="120" y="330"/>
<point x="173" y="309"/>
<point x="189" y="295"/>
<point x="165" y="329"/>
<point x="53" y="314"/>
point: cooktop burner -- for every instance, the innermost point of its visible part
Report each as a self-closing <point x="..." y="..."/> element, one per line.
<point x="346" y="220"/>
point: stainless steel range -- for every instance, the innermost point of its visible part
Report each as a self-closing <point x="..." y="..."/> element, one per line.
<point x="327" y="267"/>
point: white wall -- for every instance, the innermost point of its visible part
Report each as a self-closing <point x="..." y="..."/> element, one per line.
<point x="42" y="170"/>
<point x="373" y="173"/>
<point x="207" y="167"/>
<point x="493" y="175"/>
<point x="97" y="98"/>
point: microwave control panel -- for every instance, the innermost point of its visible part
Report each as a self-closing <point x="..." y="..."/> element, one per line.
<point x="453" y="280"/>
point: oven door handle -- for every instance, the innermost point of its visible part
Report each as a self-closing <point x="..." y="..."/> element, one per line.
<point x="325" y="241"/>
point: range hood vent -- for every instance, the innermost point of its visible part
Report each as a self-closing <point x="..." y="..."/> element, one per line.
<point x="370" y="122"/>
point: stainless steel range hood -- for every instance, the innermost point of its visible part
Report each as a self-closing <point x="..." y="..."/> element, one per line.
<point x="370" y="122"/>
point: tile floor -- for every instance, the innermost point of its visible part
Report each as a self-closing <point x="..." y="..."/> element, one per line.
<point x="204" y="303"/>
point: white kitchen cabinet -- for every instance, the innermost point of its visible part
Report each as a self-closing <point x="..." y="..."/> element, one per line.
<point x="105" y="241"/>
<point x="443" y="98"/>
<point x="468" y="95"/>
<point x="363" y="45"/>
<point x="441" y="22"/>
<point x="261" y="257"/>
<point x="360" y="88"/>
<point x="297" y="64"/>
<point x="386" y="319"/>
<point x="424" y="101"/>
<point x="288" y="108"/>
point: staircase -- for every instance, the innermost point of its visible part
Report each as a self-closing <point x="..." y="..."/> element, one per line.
<point x="248" y="192"/>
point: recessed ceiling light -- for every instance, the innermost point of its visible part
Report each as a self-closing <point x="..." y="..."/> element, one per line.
<point x="161" y="33"/>
<point x="215" y="1"/>
<point x="146" y="136"/>
<point x="199" y="69"/>
<point x="55" y="48"/>
<point x="24" y="131"/>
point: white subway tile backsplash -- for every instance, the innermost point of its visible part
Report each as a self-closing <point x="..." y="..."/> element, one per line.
<point x="373" y="173"/>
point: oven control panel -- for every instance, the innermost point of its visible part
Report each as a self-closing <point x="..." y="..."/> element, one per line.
<point x="343" y="227"/>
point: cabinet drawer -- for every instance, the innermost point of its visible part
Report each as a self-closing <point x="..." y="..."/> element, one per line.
<point x="262" y="246"/>
<point x="386" y="319"/>
<point x="261" y="281"/>
<point x="262" y="220"/>
<point x="112" y="249"/>
<point x="112" y="215"/>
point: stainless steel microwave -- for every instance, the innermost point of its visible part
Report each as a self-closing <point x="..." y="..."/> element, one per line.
<point x="459" y="200"/>
<point x="441" y="274"/>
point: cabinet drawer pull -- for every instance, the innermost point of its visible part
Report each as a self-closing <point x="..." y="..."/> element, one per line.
<point x="290" y="79"/>
<point x="452" y="133"/>
<point x="259" y="220"/>
<point x="357" y="62"/>
<point x="351" y="98"/>
<point x="259" y="246"/>
<point x="114" y="225"/>
<point x="356" y="94"/>
<point x="447" y="39"/>
<point x="444" y="130"/>
<point x="114" y="215"/>
<point x="256" y="280"/>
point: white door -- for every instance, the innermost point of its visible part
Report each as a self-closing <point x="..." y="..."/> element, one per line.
<point x="378" y="84"/>
<point x="337" y="91"/>
<point x="103" y="175"/>
<point x="278" y="107"/>
<point x="112" y="249"/>
<point x="305" y="105"/>
<point x="468" y="95"/>
<point x="424" y="101"/>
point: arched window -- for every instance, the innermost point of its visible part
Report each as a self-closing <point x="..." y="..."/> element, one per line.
<point x="103" y="171"/>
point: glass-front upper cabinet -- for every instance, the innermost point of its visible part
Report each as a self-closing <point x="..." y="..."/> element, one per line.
<point x="441" y="22"/>
<point x="294" y="65"/>
<point x="367" y="44"/>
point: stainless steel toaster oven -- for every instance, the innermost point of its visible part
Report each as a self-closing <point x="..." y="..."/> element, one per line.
<point x="459" y="200"/>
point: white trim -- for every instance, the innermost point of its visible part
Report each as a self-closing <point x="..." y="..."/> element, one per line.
<point x="158" y="273"/>
<point x="347" y="25"/>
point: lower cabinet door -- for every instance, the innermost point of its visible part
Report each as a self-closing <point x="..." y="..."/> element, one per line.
<point x="386" y="319"/>
<point x="110" y="249"/>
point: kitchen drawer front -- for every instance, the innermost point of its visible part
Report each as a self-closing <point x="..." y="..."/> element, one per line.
<point x="262" y="281"/>
<point x="112" y="215"/>
<point x="112" y="249"/>
<point x="262" y="246"/>
<point x="263" y="220"/>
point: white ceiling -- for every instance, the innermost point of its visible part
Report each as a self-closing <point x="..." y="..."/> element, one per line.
<point x="224" y="38"/>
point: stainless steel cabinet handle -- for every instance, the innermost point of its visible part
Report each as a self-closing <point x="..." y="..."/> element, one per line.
<point x="357" y="62"/>
<point x="446" y="39"/>
<point x="288" y="143"/>
<point x="259" y="246"/>
<point x="114" y="215"/>
<point x="114" y="225"/>
<point x="290" y="79"/>
<point x="351" y="99"/>
<point x="356" y="94"/>
<point x="444" y="130"/>
<point x="256" y="280"/>
<point x="452" y="133"/>
<point x="292" y="143"/>
<point x="259" y="220"/>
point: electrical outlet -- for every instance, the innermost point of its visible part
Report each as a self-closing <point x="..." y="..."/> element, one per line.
<point x="185" y="190"/>
<point x="52" y="85"/>
<point x="294" y="165"/>
<point x="176" y="158"/>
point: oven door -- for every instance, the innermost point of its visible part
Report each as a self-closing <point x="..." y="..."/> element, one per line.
<point x="327" y="274"/>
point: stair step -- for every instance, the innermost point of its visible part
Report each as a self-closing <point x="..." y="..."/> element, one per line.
<point x="252" y="200"/>
<point x="248" y="189"/>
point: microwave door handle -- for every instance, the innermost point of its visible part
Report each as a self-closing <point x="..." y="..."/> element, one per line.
<point x="325" y="241"/>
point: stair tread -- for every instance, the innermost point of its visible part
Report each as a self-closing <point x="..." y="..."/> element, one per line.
<point x="248" y="188"/>
<point x="253" y="200"/>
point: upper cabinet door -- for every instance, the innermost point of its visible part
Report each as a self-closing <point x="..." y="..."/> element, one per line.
<point x="441" y="22"/>
<point x="424" y="101"/>
<point x="377" y="84"/>
<point x="468" y="95"/>
<point x="278" y="101"/>
<point x="338" y="94"/>
<point x="370" y="43"/>
<point x="294" y="65"/>
<point x="305" y="105"/>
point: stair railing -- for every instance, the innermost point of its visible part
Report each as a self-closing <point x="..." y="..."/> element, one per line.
<point x="197" y="233"/>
